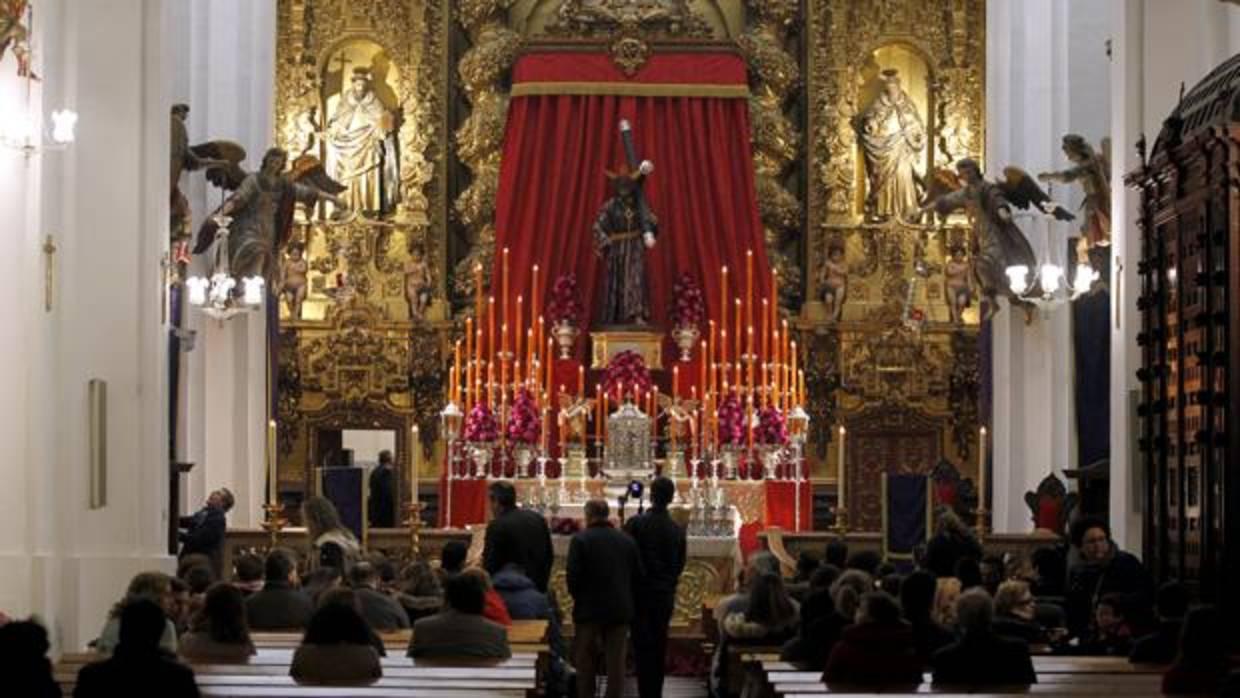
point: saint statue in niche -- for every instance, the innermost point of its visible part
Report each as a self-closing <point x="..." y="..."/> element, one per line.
<point x="363" y="150"/>
<point x="892" y="137"/>
<point x="419" y="286"/>
<point x="624" y="229"/>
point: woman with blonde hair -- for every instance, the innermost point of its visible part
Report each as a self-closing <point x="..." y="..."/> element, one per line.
<point x="151" y="586"/>
<point x="331" y="544"/>
<point x="946" y="592"/>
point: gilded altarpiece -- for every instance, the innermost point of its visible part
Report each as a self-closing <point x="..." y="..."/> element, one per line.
<point x="363" y="320"/>
<point x="895" y="91"/>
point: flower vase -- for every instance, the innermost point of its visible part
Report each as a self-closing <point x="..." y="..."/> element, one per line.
<point x="731" y="456"/>
<point x="481" y="453"/>
<point x="686" y="338"/>
<point x="770" y="454"/>
<point x="565" y="334"/>
<point x="522" y="455"/>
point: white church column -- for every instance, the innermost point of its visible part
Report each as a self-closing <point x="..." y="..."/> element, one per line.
<point x="1034" y="78"/>
<point x="224" y="67"/>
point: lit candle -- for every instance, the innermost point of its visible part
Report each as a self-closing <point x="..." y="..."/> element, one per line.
<point x="534" y="295"/>
<point x="711" y="337"/>
<point x="792" y="376"/>
<point x="505" y="298"/>
<point x="723" y="347"/>
<point x="739" y="332"/>
<point x="766" y="331"/>
<point x="542" y="333"/>
<point x="702" y="359"/>
<point x="676" y="383"/>
<point x="723" y="304"/>
<point x="413" y="464"/>
<point x="748" y="288"/>
<point x="503" y="333"/>
<point x="490" y="352"/>
<point x="774" y="296"/>
<point x="550" y="359"/>
<point x="273" y="472"/>
<point x="491" y="385"/>
<point x="517" y="324"/>
<point x="478" y="293"/>
<point x="455" y="391"/>
<point x="749" y="352"/>
<point x="840" y="471"/>
<point x="529" y="356"/>
<point x="581" y="382"/>
<point x="981" y="468"/>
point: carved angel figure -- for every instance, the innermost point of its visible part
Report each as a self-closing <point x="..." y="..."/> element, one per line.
<point x="261" y="209"/>
<point x="998" y="242"/>
<point x="833" y="281"/>
<point x="957" y="286"/>
<point x="419" y="285"/>
<point x="212" y="155"/>
<point x="294" y="284"/>
<point x="892" y="138"/>
<point x="1092" y="169"/>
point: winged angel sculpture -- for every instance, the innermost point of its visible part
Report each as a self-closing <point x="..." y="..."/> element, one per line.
<point x="15" y="36"/>
<point x="997" y="241"/>
<point x="258" y="215"/>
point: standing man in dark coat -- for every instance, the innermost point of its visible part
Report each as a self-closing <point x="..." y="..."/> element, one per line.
<point x="517" y="536"/>
<point x="661" y="543"/>
<point x="604" y="570"/>
<point x="382" y="502"/>
<point x="204" y="531"/>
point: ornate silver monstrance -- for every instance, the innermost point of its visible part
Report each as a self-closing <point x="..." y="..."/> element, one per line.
<point x="629" y="452"/>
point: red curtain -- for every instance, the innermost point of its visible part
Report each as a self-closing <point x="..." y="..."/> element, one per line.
<point x="559" y="140"/>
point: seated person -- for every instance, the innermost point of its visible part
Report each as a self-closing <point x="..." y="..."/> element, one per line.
<point x="248" y="570"/>
<point x="1111" y="633"/>
<point x="382" y="612"/>
<point x="451" y="560"/>
<point x="419" y="591"/>
<point x="151" y="586"/>
<point x="280" y="605"/>
<point x="138" y="659"/>
<point x="181" y="612"/>
<point x="460" y="630"/>
<point x="878" y="650"/>
<point x="336" y="649"/>
<point x="980" y="657"/>
<point x="770" y="617"/>
<point x="525" y="602"/>
<point x="1160" y="646"/>
<point x="220" y="634"/>
<point x="1103" y="569"/>
<point x="320" y="580"/>
<point x="1201" y="664"/>
<point x="24" y="646"/>
<point x="493" y="609"/>
<point x="917" y="600"/>
<point x="817" y="633"/>
<point x="847" y="590"/>
<point x="1015" y="614"/>
<point x="348" y="597"/>
<point x="946" y="592"/>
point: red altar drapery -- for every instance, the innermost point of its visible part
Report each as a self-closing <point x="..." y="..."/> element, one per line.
<point x="689" y="116"/>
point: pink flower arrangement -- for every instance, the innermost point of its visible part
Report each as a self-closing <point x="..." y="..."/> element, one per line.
<point x="627" y="375"/>
<point x="524" y="426"/>
<point x="731" y="421"/>
<point x="688" y="305"/>
<point x="480" y="425"/>
<point x="772" y="428"/>
<point x="564" y="305"/>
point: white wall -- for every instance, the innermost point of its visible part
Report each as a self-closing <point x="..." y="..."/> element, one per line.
<point x="105" y="200"/>
<point x="1046" y="76"/>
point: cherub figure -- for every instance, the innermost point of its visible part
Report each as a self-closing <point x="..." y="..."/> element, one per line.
<point x="833" y="281"/>
<point x="957" y="284"/>
<point x="294" y="286"/>
<point x="419" y="286"/>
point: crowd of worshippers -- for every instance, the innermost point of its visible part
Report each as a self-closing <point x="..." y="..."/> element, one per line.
<point x="340" y="599"/>
<point x="967" y="617"/>
<point x="972" y="618"/>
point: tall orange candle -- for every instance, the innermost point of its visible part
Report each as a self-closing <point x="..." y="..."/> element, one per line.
<point x="490" y="352"/>
<point x="469" y="352"/>
<point x="748" y="287"/>
<point x="534" y="295"/>
<point x="517" y="324"/>
<point x="675" y="382"/>
<point x="505" y="298"/>
<point x="478" y="293"/>
<point x="723" y="347"/>
<point x="793" y="374"/>
<point x="581" y="382"/>
<point x="766" y="331"/>
<point x="550" y="366"/>
<point x="503" y="333"/>
<point x="703" y="357"/>
<point x="456" y="373"/>
<point x="723" y="302"/>
<point x="739" y="332"/>
<point x="541" y="334"/>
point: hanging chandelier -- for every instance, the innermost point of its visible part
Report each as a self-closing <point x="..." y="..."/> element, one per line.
<point x="218" y="295"/>
<point x="20" y="128"/>
<point x="1048" y="285"/>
